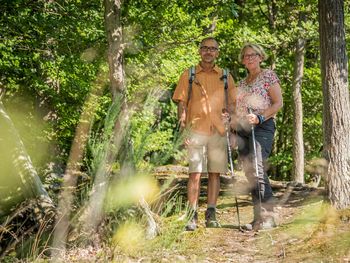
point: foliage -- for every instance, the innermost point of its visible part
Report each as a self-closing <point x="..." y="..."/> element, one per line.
<point x="51" y="53"/>
<point x="41" y="61"/>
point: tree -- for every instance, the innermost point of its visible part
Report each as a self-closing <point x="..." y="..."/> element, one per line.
<point x="74" y="164"/>
<point x="18" y="178"/>
<point x="336" y="105"/>
<point x="21" y="189"/>
<point x="114" y="32"/>
<point x="298" y="141"/>
<point x="116" y="137"/>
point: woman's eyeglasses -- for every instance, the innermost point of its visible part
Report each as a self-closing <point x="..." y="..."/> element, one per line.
<point x="250" y="56"/>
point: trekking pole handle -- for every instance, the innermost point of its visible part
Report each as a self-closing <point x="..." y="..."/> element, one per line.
<point x="227" y="124"/>
<point x="250" y="111"/>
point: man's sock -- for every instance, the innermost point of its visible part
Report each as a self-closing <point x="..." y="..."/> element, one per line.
<point x="210" y="206"/>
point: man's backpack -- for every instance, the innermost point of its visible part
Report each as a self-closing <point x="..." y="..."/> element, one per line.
<point x="192" y="75"/>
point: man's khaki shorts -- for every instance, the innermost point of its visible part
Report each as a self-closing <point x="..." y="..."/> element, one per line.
<point x="207" y="154"/>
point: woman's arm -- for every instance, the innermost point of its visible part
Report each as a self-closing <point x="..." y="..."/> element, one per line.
<point x="276" y="101"/>
<point x="275" y="94"/>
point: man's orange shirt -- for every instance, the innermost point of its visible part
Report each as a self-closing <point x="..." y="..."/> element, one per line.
<point x="207" y="99"/>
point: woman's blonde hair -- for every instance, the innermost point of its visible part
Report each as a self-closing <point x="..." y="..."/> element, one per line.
<point x="257" y="48"/>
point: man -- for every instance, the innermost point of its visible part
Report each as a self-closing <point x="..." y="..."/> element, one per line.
<point x="200" y="111"/>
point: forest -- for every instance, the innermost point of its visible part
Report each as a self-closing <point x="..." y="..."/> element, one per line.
<point x="92" y="163"/>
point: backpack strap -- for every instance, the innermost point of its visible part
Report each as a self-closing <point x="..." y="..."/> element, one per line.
<point x="191" y="76"/>
<point x="224" y="78"/>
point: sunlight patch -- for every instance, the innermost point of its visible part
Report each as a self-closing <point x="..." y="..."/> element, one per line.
<point x="129" y="237"/>
<point x="129" y="191"/>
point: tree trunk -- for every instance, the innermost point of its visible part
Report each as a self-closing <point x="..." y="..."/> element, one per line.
<point x="18" y="178"/>
<point x="114" y="33"/>
<point x="272" y="14"/>
<point x="271" y="17"/>
<point x="336" y="105"/>
<point x="93" y="214"/>
<point x="298" y="140"/>
<point x="71" y="175"/>
<point x="25" y="205"/>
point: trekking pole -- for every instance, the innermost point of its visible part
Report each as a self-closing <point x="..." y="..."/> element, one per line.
<point x="255" y="161"/>
<point x="231" y="166"/>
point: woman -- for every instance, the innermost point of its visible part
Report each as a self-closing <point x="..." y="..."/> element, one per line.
<point x="259" y="98"/>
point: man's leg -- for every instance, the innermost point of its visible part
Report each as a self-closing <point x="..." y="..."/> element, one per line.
<point x="213" y="193"/>
<point x="217" y="164"/>
<point x="213" y="188"/>
<point x="193" y="188"/>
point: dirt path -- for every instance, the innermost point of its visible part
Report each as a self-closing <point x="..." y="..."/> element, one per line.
<point x="228" y="244"/>
<point x="308" y="231"/>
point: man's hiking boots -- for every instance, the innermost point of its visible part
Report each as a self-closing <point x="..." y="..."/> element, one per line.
<point x="210" y="218"/>
<point x="192" y="221"/>
<point x="264" y="222"/>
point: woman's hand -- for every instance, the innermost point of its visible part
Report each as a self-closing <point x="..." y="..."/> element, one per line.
<point x="252" y="119"/>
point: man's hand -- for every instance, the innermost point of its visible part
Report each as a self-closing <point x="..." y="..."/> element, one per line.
<point x="225" y="117"/>
<point x="181" y="114"/>
<point x="182" y="120"/>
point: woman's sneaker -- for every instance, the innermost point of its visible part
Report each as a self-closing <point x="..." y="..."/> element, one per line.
<point x="268" y="223"/>
<point x="255" y="225"/>
<point x="210" y="218"/>
<point x="265" y="224"/>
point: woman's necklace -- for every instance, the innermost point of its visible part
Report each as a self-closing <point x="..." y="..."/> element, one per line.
<point x="252" y="77"/>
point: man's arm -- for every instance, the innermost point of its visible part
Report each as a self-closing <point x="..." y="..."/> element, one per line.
<point x="180" y="97"/>
<point x="181" y="114"/>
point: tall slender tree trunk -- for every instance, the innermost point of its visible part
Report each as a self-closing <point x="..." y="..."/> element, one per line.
<point x="272" y="13"/>
<point x="298" y="139"/>
<point x="94" y="212"/>
<point x="20" y="188"/>
<point x="271" y="17"/>
<point x="336" y="105"/>
<point x="82" y="132"/>
<point x="114" y="33"/>
<point x="18" y="178"/>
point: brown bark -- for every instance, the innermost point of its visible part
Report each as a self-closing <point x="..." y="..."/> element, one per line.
<point x="115" y="45"/>
<point x="336" y="106"/>
<point x="114" y="33"/>
<point x="25" y="206"/>
<point x="272" y="13"/>
<point x="18" y="178"/>
<point x="298" y="139"/>
<point x="93" y="213"/>
<point x="71" y="175"/>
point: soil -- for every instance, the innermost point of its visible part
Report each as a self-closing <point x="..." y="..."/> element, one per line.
<point x="308" y="229"/>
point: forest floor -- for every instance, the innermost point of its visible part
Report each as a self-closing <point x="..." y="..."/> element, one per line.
<point x="308" y="230"/>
